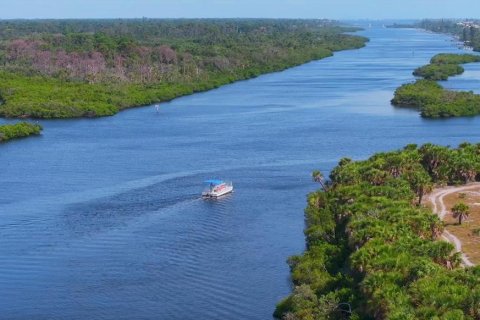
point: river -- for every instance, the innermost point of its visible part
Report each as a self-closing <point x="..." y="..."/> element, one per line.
<point x="102" y="219"/>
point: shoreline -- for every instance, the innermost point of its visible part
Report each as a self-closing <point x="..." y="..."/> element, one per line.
<point x="187" y="90"/>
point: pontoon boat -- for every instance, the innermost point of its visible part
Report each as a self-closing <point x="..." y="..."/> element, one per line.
<point x="217" y="188"/>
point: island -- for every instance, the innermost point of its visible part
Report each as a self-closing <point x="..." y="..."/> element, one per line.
<point x="431" y="98"/>
<point x="374" y="250"/>
<point x="94" y="68"/>
<point x="18" y="130"/>
<point x="444" y="65"/>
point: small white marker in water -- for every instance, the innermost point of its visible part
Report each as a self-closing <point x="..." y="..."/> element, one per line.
<point x="157" y="107"/>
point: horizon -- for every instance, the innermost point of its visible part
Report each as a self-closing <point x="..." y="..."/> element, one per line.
<point x="233" y="9"/>
<point x="237" y="18"/>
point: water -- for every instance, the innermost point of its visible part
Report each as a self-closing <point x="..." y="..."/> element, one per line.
<point x="468" y="81"/>
<point x="102" y="218"/>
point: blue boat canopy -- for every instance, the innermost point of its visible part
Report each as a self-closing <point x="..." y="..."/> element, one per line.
<point x="214" y="182"/>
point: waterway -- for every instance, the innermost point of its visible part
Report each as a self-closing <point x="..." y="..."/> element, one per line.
<point x="102" y="219"/>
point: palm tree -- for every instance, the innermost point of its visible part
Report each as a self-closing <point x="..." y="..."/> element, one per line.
<point x="434" y="158"/>
<point x="460" y="211"/>
<point x="317" y="176"/>
<point x="422" y="185"/>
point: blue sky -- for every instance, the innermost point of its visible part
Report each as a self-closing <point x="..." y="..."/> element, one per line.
<point x="333" y="9"/>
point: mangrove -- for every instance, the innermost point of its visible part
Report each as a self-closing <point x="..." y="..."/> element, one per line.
<point x="18" y="130"/>
<point x="442" y="66"/>
<point x="93" y="68"/>
<point x="431" y="98"/>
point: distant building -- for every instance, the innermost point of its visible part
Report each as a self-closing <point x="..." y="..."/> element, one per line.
<point x="468" y="24"/>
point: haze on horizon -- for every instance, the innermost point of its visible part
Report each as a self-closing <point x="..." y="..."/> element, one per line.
<point x="338" y="9"/>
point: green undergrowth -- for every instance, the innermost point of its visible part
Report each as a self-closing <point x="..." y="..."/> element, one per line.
<point x="19" y="130"/>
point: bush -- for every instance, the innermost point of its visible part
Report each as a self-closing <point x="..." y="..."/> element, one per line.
<point x="18" y="130"/>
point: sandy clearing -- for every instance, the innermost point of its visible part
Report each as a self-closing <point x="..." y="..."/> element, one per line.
<point x="439" y="208"/>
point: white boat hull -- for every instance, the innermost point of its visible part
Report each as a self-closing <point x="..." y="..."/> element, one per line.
<point x="218" y="192"/>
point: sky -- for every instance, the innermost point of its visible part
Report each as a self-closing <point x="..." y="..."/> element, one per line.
<point x="331" y="9"/>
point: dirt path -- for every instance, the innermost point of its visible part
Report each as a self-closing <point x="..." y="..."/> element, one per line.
<point x="436" y="198"/>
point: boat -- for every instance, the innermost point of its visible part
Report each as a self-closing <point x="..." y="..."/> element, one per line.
<point x="217" y="188"/>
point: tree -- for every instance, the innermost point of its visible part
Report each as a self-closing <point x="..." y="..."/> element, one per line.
<point x="420" y="182"/>
<point x="167" y="54"/>
<point x="318" y="177"/>
<point x="460" y="211"/>
<point x="434" y="160"/>
<point x="465" y="166"/>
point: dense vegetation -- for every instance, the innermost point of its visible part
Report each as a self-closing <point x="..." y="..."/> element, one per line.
<point x="449" y="58"/>
<point x="77" y="68"/>
<point x="438" y="71"/>
<point x="432" y="99"/>
<point x="372" y="251"/>
<point x="18" y="130"/>
<point x="436" y="102"/>
<point x="445" y="65"/>
<point x="466" y="31"/>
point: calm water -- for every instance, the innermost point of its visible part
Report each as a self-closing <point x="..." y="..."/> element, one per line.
<point x="102" y="219"/>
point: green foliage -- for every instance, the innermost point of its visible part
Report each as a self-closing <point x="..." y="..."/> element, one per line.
<point x="418" y="95"/>
<point x="438" y="71"/>
<point x="43" y="97"/>
<point x="461" y="211"/>
<point x="18" y="130"/>
<point x="466" y="31"/>
<point x="432" y="99"/>
<point x="435" y="102"/>
<point x="450" y="58"/>
<point x="445" y="65"/>
<point x="92" y="68"/>
<point x="372" y="249"/>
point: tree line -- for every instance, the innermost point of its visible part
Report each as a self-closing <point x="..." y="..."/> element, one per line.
<point x="75" y="68"/>
<point x="374" y="252"/>
<point x="466" y="31"/>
